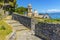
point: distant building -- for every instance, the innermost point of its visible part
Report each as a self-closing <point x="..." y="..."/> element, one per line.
<point x="35" y="13"/>
<point x="44" y="16"/>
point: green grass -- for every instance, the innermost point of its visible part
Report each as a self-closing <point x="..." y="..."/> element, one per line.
<point x="56" y="21"/>
<point x="5" y="29"/>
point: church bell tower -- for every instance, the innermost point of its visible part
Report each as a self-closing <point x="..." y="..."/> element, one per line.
<point x="29" y="10"/>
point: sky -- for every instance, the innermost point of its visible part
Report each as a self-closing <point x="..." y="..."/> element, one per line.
<point x="42" y="6"/>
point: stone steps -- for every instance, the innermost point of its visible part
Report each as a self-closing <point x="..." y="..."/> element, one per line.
<point x="8" y="18"/>
<point x="16" y="25"/>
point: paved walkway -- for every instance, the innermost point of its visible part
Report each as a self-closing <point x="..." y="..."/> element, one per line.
<point x="22" y="33"/>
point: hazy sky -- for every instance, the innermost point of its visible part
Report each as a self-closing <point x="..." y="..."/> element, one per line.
<point x="41" y="5"/>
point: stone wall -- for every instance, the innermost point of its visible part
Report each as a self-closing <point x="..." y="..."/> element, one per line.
<point x="45" y="31"/>
<point x="26" y="21"/>
<point x="48" y="31"/>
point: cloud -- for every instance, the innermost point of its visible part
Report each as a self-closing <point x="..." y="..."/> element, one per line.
<point x="52" y="10"/>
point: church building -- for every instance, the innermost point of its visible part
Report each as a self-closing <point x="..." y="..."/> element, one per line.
<point x="35" y="13"/>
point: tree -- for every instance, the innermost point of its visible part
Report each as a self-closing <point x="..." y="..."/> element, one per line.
<point x="21" y="10"/>
<point x="1" y="2"/>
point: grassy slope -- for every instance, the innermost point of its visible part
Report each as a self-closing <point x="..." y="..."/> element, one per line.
<point x="48" y="20"/>
<point x="4" y="33"/>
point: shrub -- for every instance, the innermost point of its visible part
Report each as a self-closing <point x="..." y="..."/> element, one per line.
<point x="2" y="28"/>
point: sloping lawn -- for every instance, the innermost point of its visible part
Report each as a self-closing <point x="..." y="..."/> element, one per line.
<point x="56" y="21"/>
<point x="5" y="29"/>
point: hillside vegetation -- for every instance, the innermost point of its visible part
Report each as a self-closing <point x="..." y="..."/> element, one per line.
<point x="21" y="10"/>
<point x="5" y="29"/>
<point x="55" y="21"/>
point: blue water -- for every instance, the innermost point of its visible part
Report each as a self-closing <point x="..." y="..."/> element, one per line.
<point x="54" y="15"/>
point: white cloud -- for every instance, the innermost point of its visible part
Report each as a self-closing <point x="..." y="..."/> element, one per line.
<point x="52" y="10"/>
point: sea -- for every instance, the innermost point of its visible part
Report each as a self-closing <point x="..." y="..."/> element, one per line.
<point x="54" y="15"/>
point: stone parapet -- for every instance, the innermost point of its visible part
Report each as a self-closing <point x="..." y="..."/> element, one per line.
<point x="48" y="31"/>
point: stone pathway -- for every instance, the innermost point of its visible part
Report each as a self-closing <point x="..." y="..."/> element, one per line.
<point x="26" y="35"/>
<point x="22" y="33"/>
<point x="16" y="25"/>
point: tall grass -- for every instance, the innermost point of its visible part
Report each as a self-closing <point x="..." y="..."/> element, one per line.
<point x="5" y="29"/>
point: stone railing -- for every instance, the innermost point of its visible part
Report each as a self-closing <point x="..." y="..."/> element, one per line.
<point x="11" y="36"/>
<point x="26" y="21"/>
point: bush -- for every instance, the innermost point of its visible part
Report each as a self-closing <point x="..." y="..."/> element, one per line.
<point x="2" y="28"/>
